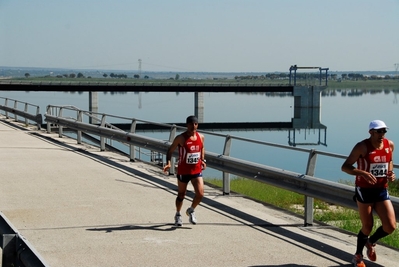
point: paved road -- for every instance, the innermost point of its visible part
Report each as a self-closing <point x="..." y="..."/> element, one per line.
<point x="79" y="206"/>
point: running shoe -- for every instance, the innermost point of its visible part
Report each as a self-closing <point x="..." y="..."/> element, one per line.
<point x="371" y="251"/>
<point x="178" y="220"/>
<point x="357" y="261"/>
<point x="191" y="214"/>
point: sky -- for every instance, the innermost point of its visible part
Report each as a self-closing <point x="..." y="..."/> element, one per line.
<point x="200" y="36"/>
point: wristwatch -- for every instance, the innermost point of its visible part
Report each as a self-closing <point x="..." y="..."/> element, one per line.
<point x="204" y="160"/>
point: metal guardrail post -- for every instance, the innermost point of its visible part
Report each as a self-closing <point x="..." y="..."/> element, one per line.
<point x="79" y="133"/>
<point x="26" y="111"/>
<point x="132" y="147"/>
<point x="309" y="201"/>
<point x="38" y="115"/>
<point x="226" y="175"/>
<point x="48" y="111"/>
<point x="172" y="136"/>
<point x="15" y="107"/>
<point x="6" y="104"/>
<point x="102" y="138"/>
<point x="60" y="128"/>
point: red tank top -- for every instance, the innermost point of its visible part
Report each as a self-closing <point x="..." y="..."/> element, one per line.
<point x="376" y="162"/>
<point x="190" y="156"/>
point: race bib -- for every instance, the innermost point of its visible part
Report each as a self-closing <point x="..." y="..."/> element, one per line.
<point x="379" y="169"/>
<point x="193" y="158"/>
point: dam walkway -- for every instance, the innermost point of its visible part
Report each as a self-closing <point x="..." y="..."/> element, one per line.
<point x="79" y="206"/>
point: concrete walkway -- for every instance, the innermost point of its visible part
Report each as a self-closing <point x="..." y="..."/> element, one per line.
<point x="78" y="206"/>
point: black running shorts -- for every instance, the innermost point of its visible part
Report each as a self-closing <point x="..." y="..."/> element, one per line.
<point x="185" y="178"/>
<point x="370" y="195"/>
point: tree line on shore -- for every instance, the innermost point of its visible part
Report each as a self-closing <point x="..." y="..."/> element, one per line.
<point x="305" y="76"/>
<point x="267" y="76"/>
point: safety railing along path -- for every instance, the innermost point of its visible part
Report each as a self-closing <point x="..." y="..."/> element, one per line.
<point x="83" y="206"/>
<point x="306" y="184"/>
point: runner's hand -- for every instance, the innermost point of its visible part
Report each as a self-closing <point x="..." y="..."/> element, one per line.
<point x="391" y="176"/>
<point x="370" y="178"/>
<point x="166" y="167"/>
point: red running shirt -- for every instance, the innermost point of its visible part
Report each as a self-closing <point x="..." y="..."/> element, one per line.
<point x="376" y="162"/>
<point x="190" y="156"/>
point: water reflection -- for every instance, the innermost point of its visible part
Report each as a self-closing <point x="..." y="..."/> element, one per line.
<point x="357" y="92"/>
<point x="303" y="126"/>
<point x="306" y="119"/>
<point x="346" y="112"/>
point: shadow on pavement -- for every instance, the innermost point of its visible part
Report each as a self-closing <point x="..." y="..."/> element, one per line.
<point x="258" y="224"/>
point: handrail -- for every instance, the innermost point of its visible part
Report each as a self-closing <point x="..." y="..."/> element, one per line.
<point x="16" y="250"/>
<point x="305" y="184"/>
<point x="37" y="117"/>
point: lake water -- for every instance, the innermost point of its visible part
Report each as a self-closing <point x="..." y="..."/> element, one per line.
<point x="345" y="116"/>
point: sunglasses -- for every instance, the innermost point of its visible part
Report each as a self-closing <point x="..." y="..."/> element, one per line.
<point x="381" y="131"/>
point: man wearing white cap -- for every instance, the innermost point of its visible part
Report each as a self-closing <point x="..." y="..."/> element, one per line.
<point x="374" y="169"/>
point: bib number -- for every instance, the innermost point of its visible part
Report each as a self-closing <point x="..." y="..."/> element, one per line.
<point x="193" y="158"/>
<point x="379" y="169"/>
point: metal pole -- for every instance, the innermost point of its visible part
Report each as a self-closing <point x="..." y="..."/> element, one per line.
<point x="309" y="201"/>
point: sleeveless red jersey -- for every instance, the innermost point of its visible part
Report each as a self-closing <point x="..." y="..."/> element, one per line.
<point x="190" y="156"/>
<point x="376" y="162"/>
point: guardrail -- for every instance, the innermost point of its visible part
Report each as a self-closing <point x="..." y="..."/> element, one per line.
<point x="16" y="251"/>
<point x="13" y="106"/>
<point x="305" y="184"/>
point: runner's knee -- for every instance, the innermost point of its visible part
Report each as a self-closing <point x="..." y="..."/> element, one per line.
<point x="200" y="193"/>
<point x="179" y="198"/>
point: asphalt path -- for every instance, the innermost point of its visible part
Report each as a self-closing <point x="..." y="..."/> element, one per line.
<point x="79" y="206"/>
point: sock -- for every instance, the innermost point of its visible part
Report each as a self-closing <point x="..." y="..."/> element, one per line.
<point x="178" y="213"/>
<point x="380" y="233"/>
<point x="361" y="241"/>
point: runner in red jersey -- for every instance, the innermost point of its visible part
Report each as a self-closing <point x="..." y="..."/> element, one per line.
<point x="190" y="155"/>
<point x="377" y="163"/>
<point x="374" y="169"/>
<point x="190" y="166"/>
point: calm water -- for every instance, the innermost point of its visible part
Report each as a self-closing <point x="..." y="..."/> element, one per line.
<point x="346" y="119"/>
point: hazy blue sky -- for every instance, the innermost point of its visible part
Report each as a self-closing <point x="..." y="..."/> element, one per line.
<point x="202" y="35"/>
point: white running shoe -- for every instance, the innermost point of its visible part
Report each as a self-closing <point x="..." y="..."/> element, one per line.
<point x="191" y="214"/>
<point x="178" y="220"/>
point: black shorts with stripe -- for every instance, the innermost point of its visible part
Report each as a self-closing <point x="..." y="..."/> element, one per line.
<point x="370" y="195"/>
<point x="185" y="178"/>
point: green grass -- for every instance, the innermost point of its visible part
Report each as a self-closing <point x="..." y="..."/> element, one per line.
<point x="340" y="217"/>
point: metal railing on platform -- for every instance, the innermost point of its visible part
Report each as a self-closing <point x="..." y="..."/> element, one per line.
<point x="14" y="106"/>
<point x="305" y="184"/>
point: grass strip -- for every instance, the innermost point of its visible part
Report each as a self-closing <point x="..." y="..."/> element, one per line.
<point x="340" y="217"/>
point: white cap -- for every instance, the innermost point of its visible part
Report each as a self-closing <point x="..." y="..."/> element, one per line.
<point x="377" y="124"/>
